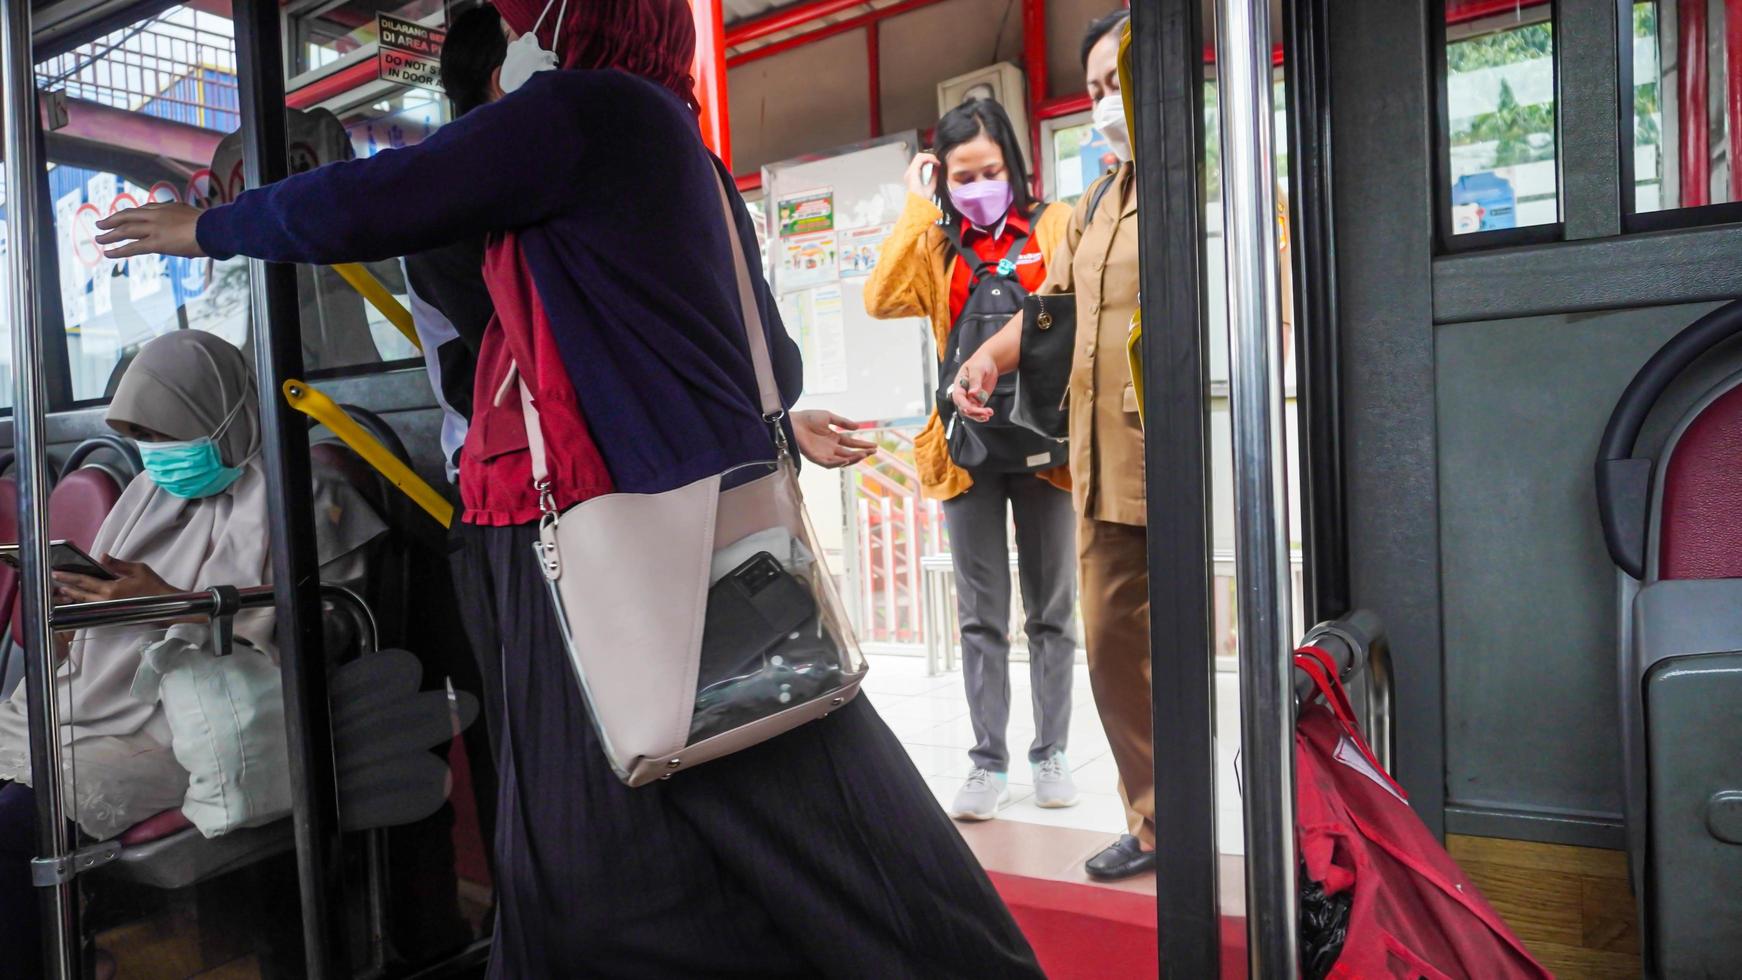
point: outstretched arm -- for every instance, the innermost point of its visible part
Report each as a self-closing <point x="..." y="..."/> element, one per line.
<point x="460" y="183"/>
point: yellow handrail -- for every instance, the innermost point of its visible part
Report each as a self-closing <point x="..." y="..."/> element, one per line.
<point x="316" y="405"/>
<point x="371" y="289"/>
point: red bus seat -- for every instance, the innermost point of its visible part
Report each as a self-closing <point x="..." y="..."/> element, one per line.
<point x="1700" y="507"/>
<point x="155" y="828"/>
<point x="1681" y="676"/>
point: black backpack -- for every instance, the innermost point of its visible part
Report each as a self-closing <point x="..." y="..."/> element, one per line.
<point x="997" y="445"/>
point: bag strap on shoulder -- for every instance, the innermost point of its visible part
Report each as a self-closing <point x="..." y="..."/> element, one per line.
<point x="1099" y="192"/>
<point x="760" y="357"/>
<point x="768" y="392"/>
<point x="978" y="267"/>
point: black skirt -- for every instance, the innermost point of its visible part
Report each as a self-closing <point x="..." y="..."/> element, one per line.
<point x="819" y="853"/>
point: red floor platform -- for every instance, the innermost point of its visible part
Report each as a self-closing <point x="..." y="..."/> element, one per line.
<point x="1081" y="929"/>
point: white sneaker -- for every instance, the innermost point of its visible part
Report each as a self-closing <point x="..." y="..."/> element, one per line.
<point x="1053" y="787"/>
<point x="981" y="795"/>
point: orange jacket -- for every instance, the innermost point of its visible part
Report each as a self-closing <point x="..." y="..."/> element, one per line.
<point x="912" y="278"/>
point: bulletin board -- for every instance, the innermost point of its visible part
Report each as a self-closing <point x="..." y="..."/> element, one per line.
<point x="826" y="217"/>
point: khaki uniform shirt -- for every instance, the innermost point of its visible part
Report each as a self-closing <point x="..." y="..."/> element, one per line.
<point x="1098" y="262"/>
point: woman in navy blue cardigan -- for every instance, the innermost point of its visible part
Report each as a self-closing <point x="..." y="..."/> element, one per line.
<point x="819" y="853"/>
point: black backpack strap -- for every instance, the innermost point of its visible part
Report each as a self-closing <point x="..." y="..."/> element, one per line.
<point x="1100" y="191"/>
<point x="978" y="267"/>
<point x="1007" y="266"/>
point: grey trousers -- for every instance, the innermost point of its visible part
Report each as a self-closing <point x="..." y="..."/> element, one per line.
<point x="1046" y="567"/>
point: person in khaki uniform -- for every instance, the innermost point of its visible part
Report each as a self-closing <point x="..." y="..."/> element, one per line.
<point x="1098" y="262"/>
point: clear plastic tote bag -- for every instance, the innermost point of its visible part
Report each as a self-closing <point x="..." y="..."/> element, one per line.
<point x="700" y="621"/>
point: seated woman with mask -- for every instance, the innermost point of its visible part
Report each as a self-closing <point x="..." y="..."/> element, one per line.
<point x="196" y="518"/>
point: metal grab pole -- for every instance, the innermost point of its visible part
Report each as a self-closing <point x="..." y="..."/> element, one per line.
<point x="1261" y="553"/>
<point x="277" y="336"/>
<point x="24" y="221"/>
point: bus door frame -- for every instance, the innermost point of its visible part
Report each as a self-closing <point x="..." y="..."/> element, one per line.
<point x="295" y="568"/>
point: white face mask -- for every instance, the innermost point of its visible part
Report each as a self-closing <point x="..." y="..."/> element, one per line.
<point x="1110" y="120"/>
<point x="525" y="58"/>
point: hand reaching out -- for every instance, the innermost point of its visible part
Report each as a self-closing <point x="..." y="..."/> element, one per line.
<point x="154" y="229"/>
<point x="823" y="439"/>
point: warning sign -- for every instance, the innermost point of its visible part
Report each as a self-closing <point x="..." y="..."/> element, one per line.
<point x="409" y="53"/>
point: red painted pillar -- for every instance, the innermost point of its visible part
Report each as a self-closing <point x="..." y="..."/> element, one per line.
<point x="1034" y="50"/>
<point x="1733" y="90"/>
<point x="874" y="71"/>
<point x="1034" y="73"/>
<point x="1691" y="109"/>
<point x="710" y="75"/>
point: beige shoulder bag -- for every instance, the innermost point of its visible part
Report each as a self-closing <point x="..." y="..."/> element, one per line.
<point x="700" y="621"/>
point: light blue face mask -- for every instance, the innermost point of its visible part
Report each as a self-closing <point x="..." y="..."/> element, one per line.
<point x="192" y="469"/>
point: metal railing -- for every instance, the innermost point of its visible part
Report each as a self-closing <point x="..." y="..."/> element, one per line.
<point x="172" y="66"/>
<point x="893" y="530"/>
<point x="903" y="590"/>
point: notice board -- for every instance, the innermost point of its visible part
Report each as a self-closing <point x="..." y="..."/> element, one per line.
<point x="827" y="215"/>
<point x="409" y="53"/>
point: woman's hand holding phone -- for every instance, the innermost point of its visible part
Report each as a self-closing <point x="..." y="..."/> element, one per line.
<point x="919" y="180"/>
<point x="973" y="387"/>
<point x="132" y="580"/>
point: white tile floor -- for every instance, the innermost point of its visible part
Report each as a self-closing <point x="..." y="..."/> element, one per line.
<point x="930" y="717"/>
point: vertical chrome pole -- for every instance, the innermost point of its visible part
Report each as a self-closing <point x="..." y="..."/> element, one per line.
<point x="24" y="222"/>
<point x="320" y="848"/>
<point x="1243" y="80"/>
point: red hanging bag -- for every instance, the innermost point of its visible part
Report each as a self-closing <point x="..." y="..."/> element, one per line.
<point x="1412" y="913"/>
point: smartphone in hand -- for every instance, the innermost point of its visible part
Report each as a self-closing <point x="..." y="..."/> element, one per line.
<point x="63" y="556"/>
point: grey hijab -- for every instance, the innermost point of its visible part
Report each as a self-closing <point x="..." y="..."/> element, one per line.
<point x="183" y="385"/>
<point x="188" y="384"/>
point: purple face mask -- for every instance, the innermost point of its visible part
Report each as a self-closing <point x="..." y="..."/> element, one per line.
<point x="984" y="202"/>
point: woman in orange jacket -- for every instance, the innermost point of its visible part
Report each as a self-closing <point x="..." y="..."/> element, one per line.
<point x="976" y="202"/>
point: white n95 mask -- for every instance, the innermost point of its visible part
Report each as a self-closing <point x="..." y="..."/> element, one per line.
<point x="1109" y="119"/>
<point x="525" y="58"/>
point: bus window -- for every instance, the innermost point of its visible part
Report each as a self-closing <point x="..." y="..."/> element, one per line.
<point x="153" y="117"/>
<point x="153" y="114"/>
<point x="146" y="108"/>
<point x="1649" y="178"/>
<point x="1683" y="124"/>
<point x="1075" y="154"/>
<point x="1497" y="107"/>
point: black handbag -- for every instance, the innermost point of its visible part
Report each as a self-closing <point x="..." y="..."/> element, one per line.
<point x="1049" y="336"/>
<point x="997" y="445"/>
<point x="1043" y="376"/>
